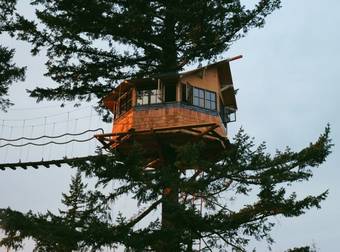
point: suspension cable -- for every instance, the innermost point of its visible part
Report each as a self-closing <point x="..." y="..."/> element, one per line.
<point x="51" y="137"/>
<point x="47" y="143"/>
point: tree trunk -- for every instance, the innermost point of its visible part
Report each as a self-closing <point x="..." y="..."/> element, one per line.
<point x="169" y="48"/>
<point x="170" y="176"/>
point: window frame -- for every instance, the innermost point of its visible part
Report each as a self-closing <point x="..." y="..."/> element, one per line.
<point x="149" y="94"/>
<point x="201" y="97"/>
<point x="124" y="104"/>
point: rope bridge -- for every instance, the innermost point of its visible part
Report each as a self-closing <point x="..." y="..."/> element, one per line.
<point x="51" y="137"/>
<point x="57" y="162"/>
<point x="46" y="164"/>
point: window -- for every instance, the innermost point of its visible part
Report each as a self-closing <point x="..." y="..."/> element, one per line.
<point x="145" y="97"/>
<point x="210" y="100"/>
<point x="124" y="104"/>
<point x="204" y="98"/>
<point x="227" y="114"/>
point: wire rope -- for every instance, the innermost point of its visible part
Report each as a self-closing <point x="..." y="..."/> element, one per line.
<point x="41" y="124"/>
<point x="47" y="143"/>
<point x="34" y="108"/>
<point x="52" y="137"/>
<point x="42" y="117"/>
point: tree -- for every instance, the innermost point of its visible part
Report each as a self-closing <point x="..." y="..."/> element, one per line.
<point x="65" y="232"/>
<point x="302" y="249"/>
<point x="93" y="44"/>
<point x="8" y="71"/>
<point x="243" y="169"/>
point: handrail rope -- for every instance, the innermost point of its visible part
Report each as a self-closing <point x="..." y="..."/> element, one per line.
<point x="48" y="116"/>
<point x="42" y="124"/>
<point x="52" y="137"/>
<point x="51" y="142"/>
<point x="36" y="108"/>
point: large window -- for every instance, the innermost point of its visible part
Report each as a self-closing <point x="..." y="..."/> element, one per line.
<point x="199" y="97"/>
<point x="152" y="96"/>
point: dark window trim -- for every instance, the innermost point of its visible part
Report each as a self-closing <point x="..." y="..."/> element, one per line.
<point x="124" y="104"/>
<point x="200" y="97"/>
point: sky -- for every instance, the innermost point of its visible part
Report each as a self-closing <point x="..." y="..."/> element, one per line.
<point x="288" y="92"/>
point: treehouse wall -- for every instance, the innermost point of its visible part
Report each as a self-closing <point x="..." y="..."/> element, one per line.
<point x="123" y="123"/>
<point x="171" y="116"/>
<point x="207" y="79"/>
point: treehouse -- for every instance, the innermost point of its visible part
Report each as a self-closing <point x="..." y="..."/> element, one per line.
<point x="174" y="108"/>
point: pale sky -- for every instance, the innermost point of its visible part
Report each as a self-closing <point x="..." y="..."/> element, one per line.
<point x="288" y="92"/>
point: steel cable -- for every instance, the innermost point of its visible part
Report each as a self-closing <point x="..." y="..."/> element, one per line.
<point x="47" y="143"/>
<point x="51" y="137"/>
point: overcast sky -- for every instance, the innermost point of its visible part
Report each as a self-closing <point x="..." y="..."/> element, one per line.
<point x="289" y="90"/>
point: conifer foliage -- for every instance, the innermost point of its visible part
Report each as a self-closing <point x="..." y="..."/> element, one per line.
<point x="243" y="170"/>
<point x="93" y="44"/>
<point x="9" y="72"/>
<point x="64" y="232"/>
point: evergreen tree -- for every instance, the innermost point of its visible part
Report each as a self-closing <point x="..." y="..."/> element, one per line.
<point x="65" y="232"/>
<point x="93" y="44"/>
<point x="8" y="71"/>
<point x="243" y="170"/>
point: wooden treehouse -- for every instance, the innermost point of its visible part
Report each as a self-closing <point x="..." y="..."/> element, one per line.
<point x="174" y="108"/>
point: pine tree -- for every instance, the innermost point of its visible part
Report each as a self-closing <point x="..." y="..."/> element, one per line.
<point x="8" y="71"/>
<point x="243" y="170"/>
<point x="65" y="232"/>
<point x="93" y="44"/>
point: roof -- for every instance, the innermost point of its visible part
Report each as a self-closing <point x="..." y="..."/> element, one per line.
<point x="175" y="75"/>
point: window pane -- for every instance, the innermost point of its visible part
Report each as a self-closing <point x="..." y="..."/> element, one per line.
<point x="207" y="104"/>
<point x="201" y="93"/>
<point x="201" y="103"/>
<point x="152" y="96"/>
<point x="213" y="105"/>
<point x="212" y="96"/>
<point x="195" y="91"/>
<point x="145" y="97"/>
<point x="207" y="95"/>
<point x="195" y="101"/>
<point x="159" y="96"/>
